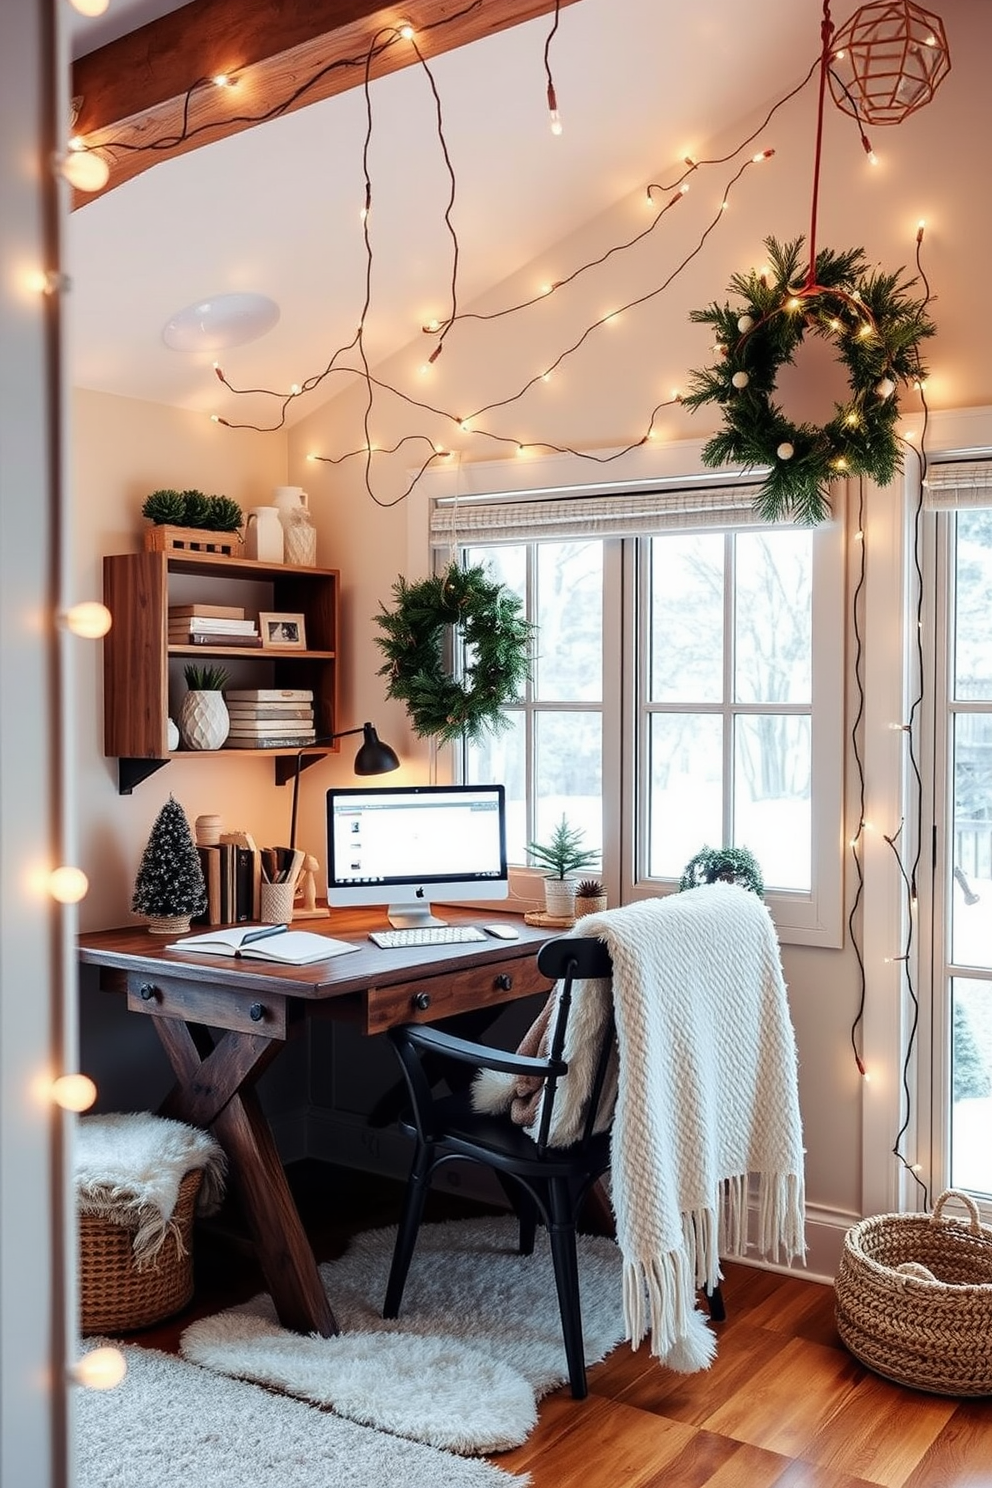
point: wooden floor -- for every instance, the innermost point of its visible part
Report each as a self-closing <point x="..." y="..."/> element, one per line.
<point x="784" y="1404"/>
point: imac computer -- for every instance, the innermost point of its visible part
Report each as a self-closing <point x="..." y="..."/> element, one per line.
<point x="401" y="845"/>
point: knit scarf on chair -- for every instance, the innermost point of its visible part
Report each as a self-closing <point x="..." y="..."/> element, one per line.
<point x="707" y="1108"/>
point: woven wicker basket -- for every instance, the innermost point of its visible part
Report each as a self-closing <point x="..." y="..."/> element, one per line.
<point x="115" y="1295"/>
<point x="914" y="1298"/>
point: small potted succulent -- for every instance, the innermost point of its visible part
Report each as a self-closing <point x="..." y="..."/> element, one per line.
<point x="562" y="855"/>
<point x="204" y="722"/>
<point x="169" y="888"/>
<point x="590" y="897"/>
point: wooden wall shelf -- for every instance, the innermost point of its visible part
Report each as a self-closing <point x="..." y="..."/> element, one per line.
<point x="137" y="657"/>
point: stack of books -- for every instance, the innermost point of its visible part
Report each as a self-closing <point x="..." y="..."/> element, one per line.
<point x="270" y="718"/>
<point x="211" y="625"/>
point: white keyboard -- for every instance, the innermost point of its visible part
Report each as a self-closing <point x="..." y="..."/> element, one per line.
<point x="426" y="935"/>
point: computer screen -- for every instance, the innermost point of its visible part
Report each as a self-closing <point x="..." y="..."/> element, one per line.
<point x="400" y="845"/>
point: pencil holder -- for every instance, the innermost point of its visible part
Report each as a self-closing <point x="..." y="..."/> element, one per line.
<point x="276" y="903"/>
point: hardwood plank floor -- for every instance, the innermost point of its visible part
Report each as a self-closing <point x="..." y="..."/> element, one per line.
<point x="783" y="1406"/>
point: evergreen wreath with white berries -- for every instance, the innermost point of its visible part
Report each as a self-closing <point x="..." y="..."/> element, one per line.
<point x="877" y="328"/>
<point x="489" y="630"/>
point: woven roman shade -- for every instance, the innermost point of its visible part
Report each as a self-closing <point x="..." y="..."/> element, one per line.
<point x="956" y="485"/>
<point x="609" y="511"/>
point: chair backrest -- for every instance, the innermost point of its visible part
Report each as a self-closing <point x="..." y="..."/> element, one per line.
<point x="568" y="959"/>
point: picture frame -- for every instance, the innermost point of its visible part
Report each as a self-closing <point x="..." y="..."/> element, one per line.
<point x="282" y="632"/>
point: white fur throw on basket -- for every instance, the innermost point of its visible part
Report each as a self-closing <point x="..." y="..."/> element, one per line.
<point x="128" y="1167"/>
<point x="706" y="1099"/>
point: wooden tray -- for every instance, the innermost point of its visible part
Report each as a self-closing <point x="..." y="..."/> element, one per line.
<point x="558" y="922"/>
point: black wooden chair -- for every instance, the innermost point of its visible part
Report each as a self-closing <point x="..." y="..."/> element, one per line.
<point x="543" y="1182"/>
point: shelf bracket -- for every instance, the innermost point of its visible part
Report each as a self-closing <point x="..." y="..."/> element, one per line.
<point x="131" y="772"/>
<point x="286" y="767"/>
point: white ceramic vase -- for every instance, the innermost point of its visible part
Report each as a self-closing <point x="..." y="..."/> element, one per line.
<point x="299" y="533"/>
<point x="204" y="722"/>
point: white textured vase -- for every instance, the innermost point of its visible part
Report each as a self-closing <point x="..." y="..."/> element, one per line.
<point x="204" y="722"/>
<point x="559" y="897"/>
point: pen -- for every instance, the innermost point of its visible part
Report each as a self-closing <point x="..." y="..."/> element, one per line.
<point x="262" y="934"/>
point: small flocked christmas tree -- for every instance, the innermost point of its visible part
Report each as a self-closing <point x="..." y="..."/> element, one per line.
<point x="169" y="885"/>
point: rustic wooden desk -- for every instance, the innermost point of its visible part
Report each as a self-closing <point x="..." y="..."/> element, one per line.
<point x="222" y="1021"/>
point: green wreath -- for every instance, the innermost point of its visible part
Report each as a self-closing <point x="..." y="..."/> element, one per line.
<point x="728" y="864"/>
<point x="877" y="329"/>
<point x="496" y="640"/>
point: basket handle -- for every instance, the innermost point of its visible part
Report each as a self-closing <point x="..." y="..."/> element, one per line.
<point x="975" y="1225"/>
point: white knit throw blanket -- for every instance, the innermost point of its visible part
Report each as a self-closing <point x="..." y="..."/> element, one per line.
<point x="707" y="1098"/>
<point x="128" y="1167"/>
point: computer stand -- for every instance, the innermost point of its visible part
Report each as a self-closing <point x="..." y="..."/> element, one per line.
<point x="411" y="917"/>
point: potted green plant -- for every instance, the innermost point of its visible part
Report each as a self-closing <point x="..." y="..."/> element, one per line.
<point x="723" y="864"/>
<point x="561" y="855"/>
<point x="192" y="520"/>
<point x="169" y="887"/>
<point x="204" y="722"/>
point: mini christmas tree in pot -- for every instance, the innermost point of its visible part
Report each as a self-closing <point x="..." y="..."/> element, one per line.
<point x="561" y="855"/>
<point x="169" y="888"/>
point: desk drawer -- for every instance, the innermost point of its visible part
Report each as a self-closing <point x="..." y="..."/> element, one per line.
<point x="428" y="998"/>
<point x="198" y="1002"/>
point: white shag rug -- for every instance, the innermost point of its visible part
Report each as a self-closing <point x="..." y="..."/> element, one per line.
<point x="477" y="1343"/>
<point x="171" y="1425"/>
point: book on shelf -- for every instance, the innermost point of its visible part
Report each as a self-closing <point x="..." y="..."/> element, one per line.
<point x="266" y="726"/>
<point x="268" y="741"/>
<point x="215" y="638"/>
<point x="206" y="611"/>
<point x="266" y="943"/>
<point x="288" y="712"/>
<point x="210" y="863"/>
<point x="207" y="625"/>
<point x="270" y="694"/>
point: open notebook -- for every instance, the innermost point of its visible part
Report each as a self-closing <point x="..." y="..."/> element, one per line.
<point x="265" y="943"/>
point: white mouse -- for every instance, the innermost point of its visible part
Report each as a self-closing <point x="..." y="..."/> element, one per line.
<point x="502" y="932"/>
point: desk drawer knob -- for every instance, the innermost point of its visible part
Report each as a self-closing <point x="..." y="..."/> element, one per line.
<point x="421" y="1001"/>
<point x="148" y="992"/>
<point x="504" y="982"/>
<point x="256" y="1012"/>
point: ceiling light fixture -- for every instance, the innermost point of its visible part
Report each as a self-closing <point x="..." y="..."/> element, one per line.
<point x="221" y="321"/>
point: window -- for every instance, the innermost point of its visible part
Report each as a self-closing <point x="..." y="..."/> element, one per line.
<point x="687" y="689"/>
<point x="962" y="814"/>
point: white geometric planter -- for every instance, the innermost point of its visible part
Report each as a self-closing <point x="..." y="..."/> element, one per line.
<point x="204" y="722"/>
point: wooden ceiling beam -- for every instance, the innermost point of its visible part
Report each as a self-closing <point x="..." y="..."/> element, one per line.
<point x="148" y="96"/>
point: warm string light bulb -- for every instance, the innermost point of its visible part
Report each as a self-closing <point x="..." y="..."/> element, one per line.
<point x="89" y="619"/>
<point x="86" y="170"/>
<point x="89" y="7"/>
<point x="555" y="117"/>
<point x="73" y="1092"/>
<point x="67" y="885"/>
<point x="100" y="1369"/>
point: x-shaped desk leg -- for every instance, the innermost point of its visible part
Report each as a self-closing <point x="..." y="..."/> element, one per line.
<point x="215" y="1088"/>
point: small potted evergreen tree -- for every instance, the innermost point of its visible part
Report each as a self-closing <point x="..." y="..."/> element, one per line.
<point x="169" y="888"/>
<point x="561" y="855"/>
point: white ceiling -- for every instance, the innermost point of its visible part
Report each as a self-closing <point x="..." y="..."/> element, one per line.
<point x="276" y="209"/>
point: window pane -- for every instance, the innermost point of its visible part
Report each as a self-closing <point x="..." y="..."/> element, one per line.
<point x="506" y="566"/>
<point x="501" y="760"/>
<point x="773" y="615"/>
<point x="570" y="617"/>
<point x="973" y="592"/>
<point x="971" y="923"/>
<point x="772" y="804"/>
<point x="971" y="1071"/>
<point x="686" y="782"/>
<point x="569" y="774"/>
<point x="686" y="639"/>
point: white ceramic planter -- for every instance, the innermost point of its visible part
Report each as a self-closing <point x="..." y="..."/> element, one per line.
<point x="559" y="897"/>
<point x="204" y="722"/>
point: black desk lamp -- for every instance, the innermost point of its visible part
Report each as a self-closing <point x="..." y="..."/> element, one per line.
<point x="373" y="758"/>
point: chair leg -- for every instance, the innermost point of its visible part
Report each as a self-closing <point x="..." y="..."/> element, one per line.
<point x="714" y="1299"/>
<point x="524" y="1206"/>
<point x="417" y="1189"/>
<point x="561" y="1233"/>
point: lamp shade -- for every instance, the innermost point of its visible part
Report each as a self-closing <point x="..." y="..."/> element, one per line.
<point x="374" y="757"/>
